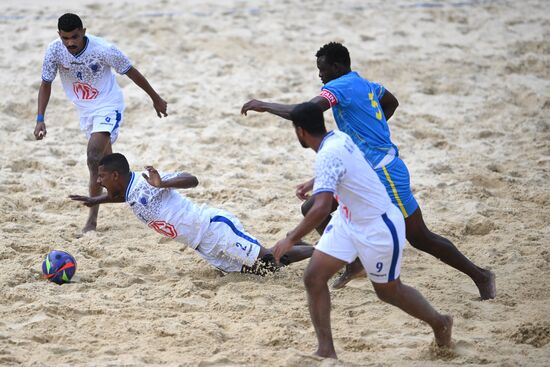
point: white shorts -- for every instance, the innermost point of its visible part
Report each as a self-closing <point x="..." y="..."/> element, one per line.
<point x="226" y="245"/>
<point x="104" y="121"/>
<point x="379" y="244"/>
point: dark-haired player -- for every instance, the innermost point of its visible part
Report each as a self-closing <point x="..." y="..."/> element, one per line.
<point x="361" y="109"/>
<point x="217" y="235"/>
<point x="366" y="225"/>
<point x="84" y="63"/>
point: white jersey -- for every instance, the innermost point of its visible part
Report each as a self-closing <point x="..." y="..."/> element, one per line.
<point x="167" y="211"/>
<point x="87" y="77"/>
<point x="341" y="168"/>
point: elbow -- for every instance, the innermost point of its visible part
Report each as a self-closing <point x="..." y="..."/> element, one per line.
<point x="194" y="181"/>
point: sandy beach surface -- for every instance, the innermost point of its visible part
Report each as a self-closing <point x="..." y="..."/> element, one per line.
<point x="473" y="126"/>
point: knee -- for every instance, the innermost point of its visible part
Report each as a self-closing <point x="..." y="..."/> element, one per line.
<point x="312" y="280"/>
<point x="93" y="159"/>
<point x="387" y="294"/>
<point x="422" y="240"/>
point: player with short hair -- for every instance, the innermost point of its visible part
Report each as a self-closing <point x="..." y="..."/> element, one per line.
<point x="366" y="225"/>
<point x="84" y="63"/>
<point x="361" y="109"/>
<point x="217" y="235"/>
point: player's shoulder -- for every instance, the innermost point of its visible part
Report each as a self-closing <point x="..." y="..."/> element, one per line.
<point x="55" y="46"/>
<point x="340" y="144"/>
<point x="99" y="43"/>
<point x="345" y="80"/>
<point x="334" y="139"/>
<point x="331" y="145"/>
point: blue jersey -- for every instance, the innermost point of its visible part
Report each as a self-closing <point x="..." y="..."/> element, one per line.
<point x="356" y="107"/>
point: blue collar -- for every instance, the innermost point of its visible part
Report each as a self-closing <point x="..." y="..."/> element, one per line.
<point x="84" y="48"/>
<point x="129" y="186"/>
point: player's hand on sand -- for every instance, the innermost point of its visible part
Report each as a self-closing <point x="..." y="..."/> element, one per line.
<point x="253" y="105"/>
<point x="281" y="248"/>
<point x="160" y="106"/>
<point x="154" y="178"/>
<point x="86" y="200"/>
<point x="40" y="130"/>
<point x="303" y="189"/>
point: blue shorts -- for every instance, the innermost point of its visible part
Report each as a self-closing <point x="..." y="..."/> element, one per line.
<point x="396" y="179"/>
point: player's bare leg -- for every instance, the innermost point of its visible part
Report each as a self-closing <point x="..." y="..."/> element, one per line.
<point x="412" y="302"/>
<point x="320" y="269"/>
<point x="299" y="252"/>
<point x="306" y="206"/>
<point x="353" y="270"/>
<point x="99" y="145"/>
<point x="420" y="237"/>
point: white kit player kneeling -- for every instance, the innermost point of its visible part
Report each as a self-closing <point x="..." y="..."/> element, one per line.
<point x="217" y="235"/>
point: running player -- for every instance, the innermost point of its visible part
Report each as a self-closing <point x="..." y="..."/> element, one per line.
<point x="361" y="109"/>
<point x="366" y="225"/>
<point x="215" y="234"/>
<point x="84" y="63"/>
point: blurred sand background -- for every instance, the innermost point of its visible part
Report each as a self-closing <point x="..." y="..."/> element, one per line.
<point x="473" y="81"/>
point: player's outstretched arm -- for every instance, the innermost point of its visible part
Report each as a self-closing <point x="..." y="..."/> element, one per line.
<point x="96" y="200"/>
<point x="159" y="104"/>
<point x="319" y="211"/>
<point x="279" y="109"/>
<point x="389" y="104"/>
<point x="182" y="181"/>
<point x="44" y="93"/>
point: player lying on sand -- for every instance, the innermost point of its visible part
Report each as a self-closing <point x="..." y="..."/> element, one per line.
<point x="217" y="235"/>
<point x="366" y="225"/>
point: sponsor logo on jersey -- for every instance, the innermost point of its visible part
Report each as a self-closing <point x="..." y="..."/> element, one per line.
<point x="164" y="228"/>
<point x="84" y="91"/>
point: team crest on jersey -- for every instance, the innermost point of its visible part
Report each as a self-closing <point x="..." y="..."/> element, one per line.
<point x="164" y="228"/>
<point x="84" y="91"/>
<point x="94" y="66"/>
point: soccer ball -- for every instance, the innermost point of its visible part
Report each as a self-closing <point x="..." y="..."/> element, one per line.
<point x="59" y="267"/>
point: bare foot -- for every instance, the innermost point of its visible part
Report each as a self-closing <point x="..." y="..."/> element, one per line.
<point x="353" y="271"/>
<point x="487" y="288"/>
<point x="325" y="354"/>
<point x="90" y="226"/>
<point x="444" y="332"/>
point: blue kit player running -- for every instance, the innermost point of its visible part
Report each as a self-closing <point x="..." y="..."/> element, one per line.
<point x="361" y="109"/>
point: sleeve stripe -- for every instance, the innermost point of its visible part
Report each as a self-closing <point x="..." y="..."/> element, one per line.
<point x="127" y="70"/>
<point x="323" y="189"/>
<point x="331" y="98"/>
<point x="382" y="91"/>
